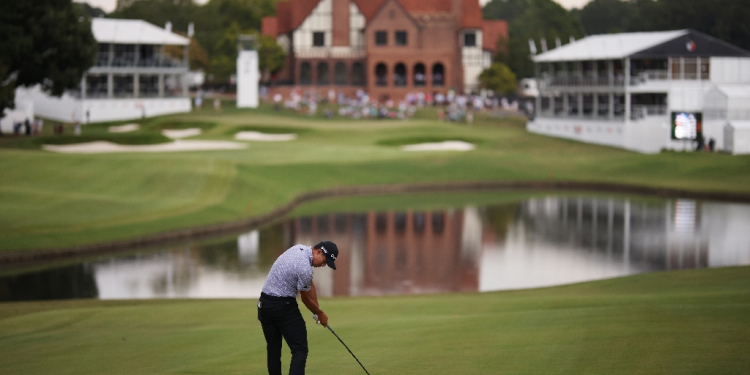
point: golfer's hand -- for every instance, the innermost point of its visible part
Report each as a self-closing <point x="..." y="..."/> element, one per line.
<point x="323" y="319"/>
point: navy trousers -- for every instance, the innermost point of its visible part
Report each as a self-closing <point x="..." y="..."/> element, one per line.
<point x="280" y="318"/>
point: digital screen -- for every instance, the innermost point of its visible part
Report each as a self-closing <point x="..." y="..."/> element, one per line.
<point x="687" y="125"/>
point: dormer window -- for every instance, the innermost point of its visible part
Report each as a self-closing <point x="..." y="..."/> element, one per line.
<point x="470" y="40"/>
<point x="319" y="39"/>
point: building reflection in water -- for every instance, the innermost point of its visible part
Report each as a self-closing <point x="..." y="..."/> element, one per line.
<point x="540" y="242"/>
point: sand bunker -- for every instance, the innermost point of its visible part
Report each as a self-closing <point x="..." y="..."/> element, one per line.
<point x="264" y="137"/>
<point x="103" y="147"/>
<point x="124" y="128"/>
<point x="440" y="146"/>
<point x="181" y="133"/>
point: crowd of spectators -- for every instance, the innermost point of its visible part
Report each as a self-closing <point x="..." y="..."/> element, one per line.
<point x="450" y="107"/>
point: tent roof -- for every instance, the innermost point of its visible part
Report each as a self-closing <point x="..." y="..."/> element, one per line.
<point x="118" y="31"/>
<point x="735" y="91"/>
<point x="744" y="125"/>
<point x="609" y="46"/>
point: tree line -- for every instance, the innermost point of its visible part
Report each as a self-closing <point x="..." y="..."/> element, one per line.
<point x="546" y="20"/>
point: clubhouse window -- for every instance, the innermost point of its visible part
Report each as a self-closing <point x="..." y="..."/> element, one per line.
<point x="319" y="39"/>
<point x="381" y="38"/>
<point x="401" y="38"/>
<point x="470" y="40"/>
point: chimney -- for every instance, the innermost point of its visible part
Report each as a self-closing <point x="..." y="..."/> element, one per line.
<point x="456" y="9"/>
<point x="340" y="23"/>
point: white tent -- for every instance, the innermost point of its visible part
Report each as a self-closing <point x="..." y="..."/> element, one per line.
<point x="737" y="137"/>
<point x="731" y="102"/>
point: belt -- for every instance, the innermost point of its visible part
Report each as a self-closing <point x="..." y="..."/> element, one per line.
<point x="275" y="298"/>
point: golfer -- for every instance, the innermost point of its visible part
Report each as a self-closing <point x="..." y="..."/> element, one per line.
<point x="277" y="307"/>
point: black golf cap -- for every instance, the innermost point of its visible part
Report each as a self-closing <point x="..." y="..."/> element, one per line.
<point x="331" y="252"/>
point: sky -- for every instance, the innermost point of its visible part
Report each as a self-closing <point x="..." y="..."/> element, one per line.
<point x="109" y="5"/>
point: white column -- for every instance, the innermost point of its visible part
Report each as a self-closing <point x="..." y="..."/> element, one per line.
<point x="110" y="85"/>
<point x="161" y="85"/>
<point x="83" y="87"/>
<point x="580" y="104"/>
<point x="595" y="107"/>
<point x="682" y="68"/>
<point x="538" y="101"/>
<point x="136" y="85"/>
<point x="627" y="89"/>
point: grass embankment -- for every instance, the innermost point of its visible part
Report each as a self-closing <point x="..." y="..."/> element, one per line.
<point x="49" y="200"/>
<point x="687" y="322"/>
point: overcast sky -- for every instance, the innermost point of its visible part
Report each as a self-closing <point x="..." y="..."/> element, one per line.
<point x="109" y="5"/>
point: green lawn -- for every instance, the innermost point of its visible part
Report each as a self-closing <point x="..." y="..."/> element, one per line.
<point x="50" y="200"/>
<point x="687" y="322"/>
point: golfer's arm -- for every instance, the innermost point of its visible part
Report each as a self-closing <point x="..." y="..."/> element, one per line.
<point x="310" y="299"/>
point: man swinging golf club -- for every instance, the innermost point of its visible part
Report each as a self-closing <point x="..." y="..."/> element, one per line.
<point x="277" y="307"/>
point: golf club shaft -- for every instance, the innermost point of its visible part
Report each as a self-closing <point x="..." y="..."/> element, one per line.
<point x="347" y="348"/>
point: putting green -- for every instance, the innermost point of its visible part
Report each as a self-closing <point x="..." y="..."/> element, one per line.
<point x="686" y="322"/>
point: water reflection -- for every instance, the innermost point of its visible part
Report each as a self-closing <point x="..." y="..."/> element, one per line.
<point x="539" y="242"/>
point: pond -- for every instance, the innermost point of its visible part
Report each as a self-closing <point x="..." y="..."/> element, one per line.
<point x="540" y="241"/>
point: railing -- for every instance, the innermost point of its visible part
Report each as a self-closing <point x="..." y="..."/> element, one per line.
<point x="642" y="76"/>
<point x="580" y="81"/>
<point x="102" y="61"/>
<point x="643" y="111"/>
<point x="576" y="80"/>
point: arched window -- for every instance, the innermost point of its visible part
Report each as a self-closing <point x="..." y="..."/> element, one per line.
<point x="323" y="74"/>
<point x="399" y="75"/>
<point x="438" y="75"/>
<point x="305" y="73"/>
<point x="358" y="74"/>
<point x="420" y="75"/>
<point x="381" y="75"/>
<point x="339" y="73"/>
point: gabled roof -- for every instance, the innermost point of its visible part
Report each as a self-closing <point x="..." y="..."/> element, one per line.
<point x="471" y="14"/>
<point x="492" y="31"/>
<point x="107" y="30"/>
<point x="300" y="9"/>
<point x="283" y="17"/>
<point x="610" y="46"/>
<point x="734" y="91"/>
<point x="415" y="7"/>
<point x="368" y="8"/>
<point x="291" y="13"/>
<point x="270" y="26"/>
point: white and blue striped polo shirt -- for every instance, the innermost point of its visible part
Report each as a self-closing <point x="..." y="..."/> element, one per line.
<point x="292" y="271"/>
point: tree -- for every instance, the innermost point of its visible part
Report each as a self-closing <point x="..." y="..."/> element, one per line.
<point x="46" y="42"/>
<point x="224" y="61"/>
<point x="608" y="16"/>
<point x="498" y="78"/>
<point x="272" y="57"/>
<point x="532" y="19"/>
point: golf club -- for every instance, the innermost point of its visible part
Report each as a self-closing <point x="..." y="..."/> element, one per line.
<point x="342" y="342"/>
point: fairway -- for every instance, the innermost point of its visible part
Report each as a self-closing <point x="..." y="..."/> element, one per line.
<point x="50" y="200"/>
<point x="687" y="322"/>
